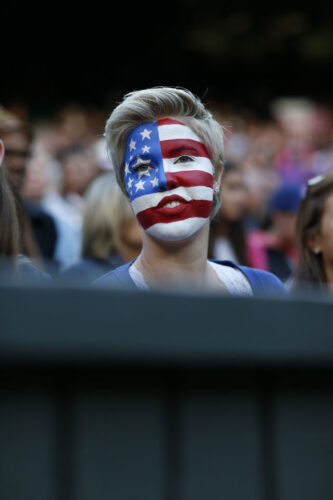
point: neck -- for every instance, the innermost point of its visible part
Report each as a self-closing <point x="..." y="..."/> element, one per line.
<point x="170" y="263"/>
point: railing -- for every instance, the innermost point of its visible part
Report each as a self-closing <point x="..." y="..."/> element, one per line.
<point x="127" y="395"/>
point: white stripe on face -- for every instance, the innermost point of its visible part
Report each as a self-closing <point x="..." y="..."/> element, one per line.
<point x="199" y="163"/>
<point x="173" y="230"/>
<point x="175" y="131"/>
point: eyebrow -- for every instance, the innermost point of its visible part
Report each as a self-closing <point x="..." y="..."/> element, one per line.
<point x="176" y="147"/>
<point x="140" y="161"/>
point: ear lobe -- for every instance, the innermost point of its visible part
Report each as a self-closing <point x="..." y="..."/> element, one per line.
<point x="2" y="151"/>
<point x="314" y="244"/>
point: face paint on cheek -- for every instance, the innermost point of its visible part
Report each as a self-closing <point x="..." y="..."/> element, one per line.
<point x="143" y="171"/>
<point x="169" y="179"/>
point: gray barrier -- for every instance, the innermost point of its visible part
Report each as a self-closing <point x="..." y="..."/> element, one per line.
<point x="127" y="395"/>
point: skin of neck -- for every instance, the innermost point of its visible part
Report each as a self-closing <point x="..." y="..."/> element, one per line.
<point x="174" y="262"/>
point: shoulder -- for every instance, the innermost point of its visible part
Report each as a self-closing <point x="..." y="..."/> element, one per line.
<point x="260" y="281"/>
<point x="30" y="274"/>
<point x="117" y="277"/>
<point x="264" y="280"/>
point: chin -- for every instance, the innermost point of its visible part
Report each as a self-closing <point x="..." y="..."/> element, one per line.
<point x="176" y="231"/>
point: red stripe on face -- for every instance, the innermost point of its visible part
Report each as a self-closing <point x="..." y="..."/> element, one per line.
<point x="178" y="147"/>
<point x="194" y="208"/>
<point x="169" y="121"/>
<point x="189" y="178"/>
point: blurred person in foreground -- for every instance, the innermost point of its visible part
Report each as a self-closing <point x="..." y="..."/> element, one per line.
<point x="110" y="233"/>
<point x="227" y="232"/>
<point x="314" y="236"/>
<point x="274" y="247"/>
<point x="14" y="268"/>
<point x="37" y="232"/>
<point x="9" y="228"/>
<point x="167" y="153"/>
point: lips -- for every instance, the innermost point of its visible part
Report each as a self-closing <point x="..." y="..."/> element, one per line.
<point x="193" y="208"/>
<point x="179" y="201"/>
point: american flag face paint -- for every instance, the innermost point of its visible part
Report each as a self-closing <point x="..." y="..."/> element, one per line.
<point x="169" y="179"/>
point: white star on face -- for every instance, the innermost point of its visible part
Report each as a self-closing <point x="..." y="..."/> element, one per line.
<point x="154" y="182"/>
<point x="144" y="172"/>
<point x="129" y="184"/>
<point x="127" y="169"/>
<point x="146" y="134"/>
<point x="131" y="157"/>
<point x="146" y="149"/>
<point x="139" y="185"/>
<point x="132" y="145"/>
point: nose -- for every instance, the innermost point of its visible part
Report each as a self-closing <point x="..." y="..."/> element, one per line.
<point x="164" y="187"/>
<point x="173" y="180"/>
<point x="169" y="180"/>
<point x="162" y="182"/>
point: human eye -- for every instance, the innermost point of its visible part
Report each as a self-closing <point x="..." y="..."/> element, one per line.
<point x="184" y="159"/>
<point x="142" y="166"/>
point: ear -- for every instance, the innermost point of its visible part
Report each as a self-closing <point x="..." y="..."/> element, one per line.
<point x="218" y="181"/>
<point x="314" y="243"/>
<point x="2" y="151"/>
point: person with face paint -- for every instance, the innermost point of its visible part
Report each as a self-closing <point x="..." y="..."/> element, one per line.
<point x="167" y="152"/>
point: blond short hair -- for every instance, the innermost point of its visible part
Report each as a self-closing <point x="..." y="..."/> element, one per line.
<point x="158" y="102"/>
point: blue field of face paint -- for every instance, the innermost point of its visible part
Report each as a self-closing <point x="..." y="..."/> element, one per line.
<point x="144" y="172"/>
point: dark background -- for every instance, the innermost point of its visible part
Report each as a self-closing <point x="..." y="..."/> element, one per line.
<point x="235" y="53"/>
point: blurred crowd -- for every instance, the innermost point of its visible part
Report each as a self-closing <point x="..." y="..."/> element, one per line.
<point x="268" y="165"/>
<point x="74" y="223"/>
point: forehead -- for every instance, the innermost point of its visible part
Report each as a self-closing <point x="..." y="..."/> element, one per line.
<point x="163" y="129"/>
<point x="167" y="137"/>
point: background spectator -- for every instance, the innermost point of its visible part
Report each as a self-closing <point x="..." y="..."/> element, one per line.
<point x="41" y="190"/>
<point x="12" y="265"/>
<point x="9" y="228"/>
<point x="68" y="152"/>
<point x="37" y="235"/>
<point x="227" y="235"/>
<point x="314" y="234"/>
<point x="273" y="248"/>
<point x="111" y="235"/>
